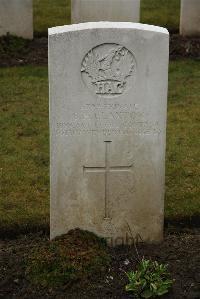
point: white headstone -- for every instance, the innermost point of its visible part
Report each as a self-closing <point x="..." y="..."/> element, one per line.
<point x="190" y="18"/>
<point x="16" y="18"/>
<point x="105" y="10"/>
<point x="108" y="103"/>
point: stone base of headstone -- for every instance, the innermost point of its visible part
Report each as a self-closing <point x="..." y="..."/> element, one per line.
<point x="16" y="18"/>
<point x="190" y="18"/>
<point x="105" y="10"/>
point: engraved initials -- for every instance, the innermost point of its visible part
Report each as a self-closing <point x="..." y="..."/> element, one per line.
<point x="109" y="87"/>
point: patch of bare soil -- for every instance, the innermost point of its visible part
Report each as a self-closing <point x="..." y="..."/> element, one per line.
<point x="14" y="52"/>
<point x="181" y="47"/>
<point x="180" y="251"/>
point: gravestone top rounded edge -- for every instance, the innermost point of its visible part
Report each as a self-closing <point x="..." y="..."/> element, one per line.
<point x="106" y="25"/>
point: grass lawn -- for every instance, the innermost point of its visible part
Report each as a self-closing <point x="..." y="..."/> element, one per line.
<point x="50" y="13"/>
<point x="24" y="157"/>
<point x="24" y="151"/>
<point x="165" y="13"/>
<point x="183" y="142"/>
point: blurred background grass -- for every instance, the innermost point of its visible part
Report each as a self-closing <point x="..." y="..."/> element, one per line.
<point x="50" y="13"/>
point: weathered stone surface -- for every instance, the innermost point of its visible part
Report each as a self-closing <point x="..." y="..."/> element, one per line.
<point x="108" y="102"/>
<point x="105" y="10"/>
<point x="16" y="18"/>
<point x="190" y="18"/>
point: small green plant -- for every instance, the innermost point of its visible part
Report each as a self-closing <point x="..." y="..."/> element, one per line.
<point x="150" y="280"/>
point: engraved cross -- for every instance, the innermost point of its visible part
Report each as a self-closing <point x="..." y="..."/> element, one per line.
<point x="107" y="169"/>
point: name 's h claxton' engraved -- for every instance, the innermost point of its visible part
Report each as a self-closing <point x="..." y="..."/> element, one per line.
<point x="107" y="69"/>
<point x="107" y="169"/>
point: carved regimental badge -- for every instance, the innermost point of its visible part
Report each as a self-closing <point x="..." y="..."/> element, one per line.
<point x="108" y="70"/>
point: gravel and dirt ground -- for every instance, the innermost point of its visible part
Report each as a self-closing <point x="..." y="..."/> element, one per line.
<point x="35" y="52"/>
<point x="181" y="251"/>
